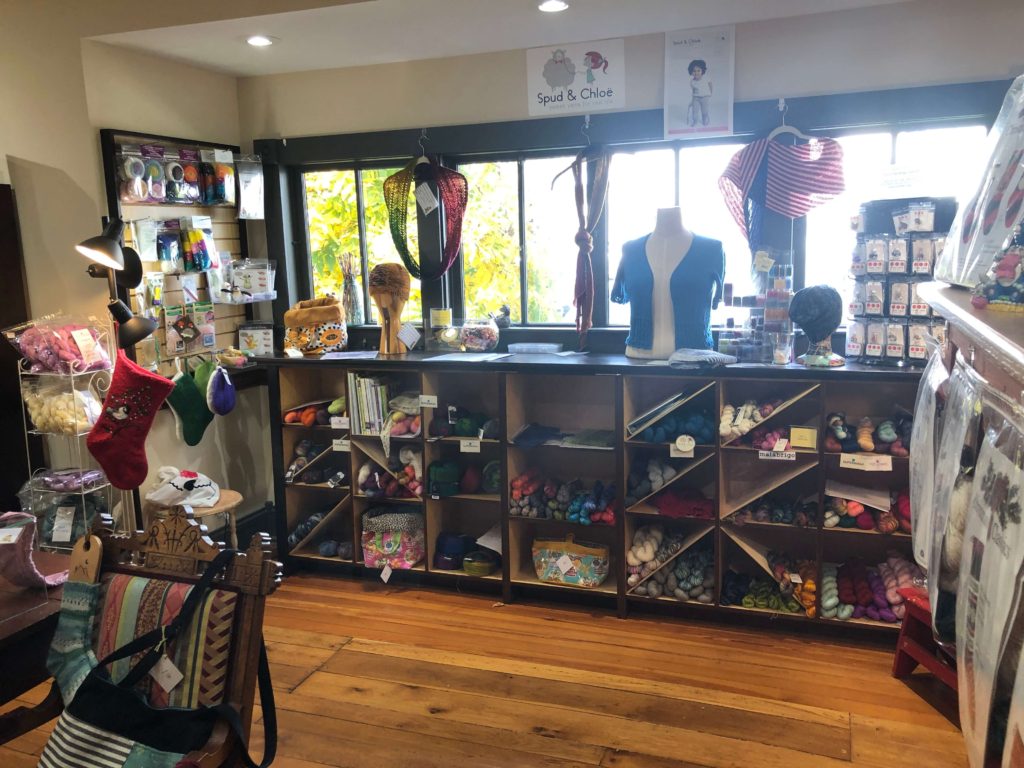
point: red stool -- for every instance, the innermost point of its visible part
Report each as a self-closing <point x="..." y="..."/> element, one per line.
<point x="917" y="643"/>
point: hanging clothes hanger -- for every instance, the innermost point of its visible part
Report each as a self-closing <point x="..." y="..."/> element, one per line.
<point x="788" y="129"/>
<point x="423" y="159"/>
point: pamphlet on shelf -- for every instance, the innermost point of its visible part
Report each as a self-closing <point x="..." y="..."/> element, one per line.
<point x="869" y="497"/>
<point x="357" y="355"/>
<point x="470" y="357"/>
<point x="492" y="539"/>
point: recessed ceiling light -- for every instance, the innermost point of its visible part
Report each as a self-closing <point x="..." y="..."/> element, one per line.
<point x="260" y="41"/>
<point x="553" y="6"/>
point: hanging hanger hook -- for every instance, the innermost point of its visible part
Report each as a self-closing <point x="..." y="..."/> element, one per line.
<point x="585" y="128"/>
<point x="423" y="138"/>
<point x="783" y="108"/>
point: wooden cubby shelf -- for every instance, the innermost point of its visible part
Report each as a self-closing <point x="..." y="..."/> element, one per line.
<point x="572" y="395"/>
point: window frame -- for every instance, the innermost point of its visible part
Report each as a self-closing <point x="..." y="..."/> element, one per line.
<point x="287" y="160"/>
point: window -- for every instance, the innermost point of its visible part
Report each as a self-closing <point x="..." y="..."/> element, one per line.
<point x="333" y="201"/>
<point x="935" y="162"/>
<point x="491" y="264"/>
<point x="551" y="225"/>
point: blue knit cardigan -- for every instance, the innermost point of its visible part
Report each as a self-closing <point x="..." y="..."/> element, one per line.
<point x="695" y="285"/>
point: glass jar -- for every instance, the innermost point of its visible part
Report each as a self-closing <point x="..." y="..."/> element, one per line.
<point x="479" y="335"/>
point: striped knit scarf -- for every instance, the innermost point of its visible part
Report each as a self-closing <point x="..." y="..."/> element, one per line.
<point x="799" y="178"/>
<point x="454" y="195"/>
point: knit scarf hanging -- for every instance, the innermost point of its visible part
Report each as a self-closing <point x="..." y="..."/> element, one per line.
<point x="454" y="193"/>
<point x="583" y="295"/>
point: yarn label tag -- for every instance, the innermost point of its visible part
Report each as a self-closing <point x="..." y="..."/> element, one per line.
<point x="86" y="345"/>
<point x="385" y="574"/>
<point x="341" y="444"/>
<point x="763" y="262"/>
<point x="428" y="401"/>
<point x="11" y="535"/>
<point x="795" y="578"/>
<point x="676" y="453"/>
<point x="469" y="446"/>
<point x="805" y="437"/>
<point x="866" y="462"/>
<point x="63" y="523"/>
<point x="564" y="564"/>
<point x="167" y="675"/>
<point x="780" y="445"/>
<point x="408" y="335"/>
<point x="777" y="455"/>
<point x="339" y="422"/>
<point x="426" y="199"/>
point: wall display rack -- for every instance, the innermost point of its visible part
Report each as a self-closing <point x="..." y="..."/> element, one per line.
<point x="228" y="232"/>
<point x="602" y="407"/>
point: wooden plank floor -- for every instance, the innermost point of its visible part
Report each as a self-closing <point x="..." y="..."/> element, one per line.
<point x="369" y="675"/>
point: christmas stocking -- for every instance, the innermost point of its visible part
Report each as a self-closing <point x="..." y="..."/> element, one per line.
<point x="118" y="439"/>
<point x="16" y="564"/>
<point x="188" y="405"/>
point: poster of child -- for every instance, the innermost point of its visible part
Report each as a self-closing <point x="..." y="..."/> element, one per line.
<point x="699" y="66"/>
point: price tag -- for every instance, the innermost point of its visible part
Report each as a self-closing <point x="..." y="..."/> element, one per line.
<point x="876" y="267"/>
<point x="922" y="267"/>
<point x="86" y="345"/>
<point x="428" y="401"/>
<point x="872" y="307"/>
<point x="897" y="266"/>
<point x="897" y="309"/>
<point x="426" y="199"/>
<point x="385" y="574"/>
<point x="795" y="578"/>
<point x="866" y="462"/>
<point x="763" y="262"/>
<point x="918" y="352"/>
<point x="469" y="446"/>
<point x="806" y="437"/>
<point x="63" y="523"/>
<point x="777" y="455"/>
<point x="780" y="445"/>
<point x="894" y="350"/>
<point x="339" y="422"/>
<point x="874" y="350"/>
<point x="919" y="310"/>
<point x="167" y="675"/>
<point x="408" y="335"/>
<point x="564" y="564"/>
<point x="341" y="444"/>
<point x="10" y="535"/>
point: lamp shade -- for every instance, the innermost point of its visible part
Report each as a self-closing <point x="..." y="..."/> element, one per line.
<point x="105" y="249"/>
<point x="130" y="329"/>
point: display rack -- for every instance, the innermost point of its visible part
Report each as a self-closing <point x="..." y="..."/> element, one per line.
<point x="728" y="473"/>
<point x="229" y="234"/>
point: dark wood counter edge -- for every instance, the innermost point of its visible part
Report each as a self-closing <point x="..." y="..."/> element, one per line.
<point x="987" y="329"/>
<point x="604" y="364"/>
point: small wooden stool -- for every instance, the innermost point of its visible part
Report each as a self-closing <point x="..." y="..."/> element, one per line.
<point x="917" y="644"/>
<point x="227" y="505"/>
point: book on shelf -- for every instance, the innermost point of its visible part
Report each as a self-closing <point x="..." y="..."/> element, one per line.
<point x="654" y="414"/>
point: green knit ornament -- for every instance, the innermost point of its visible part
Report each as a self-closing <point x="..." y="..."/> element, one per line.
<point x="191" y="414"/>
<point x="71" y="658"/>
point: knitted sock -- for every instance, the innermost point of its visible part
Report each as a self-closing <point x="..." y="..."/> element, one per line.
<point x="188" y="404"/>
<point x="118" y="439"/>
<point x="71" y="658"/>
<point x="16" y="563"/>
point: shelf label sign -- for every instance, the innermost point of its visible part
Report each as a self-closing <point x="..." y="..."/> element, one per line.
<point x="804" y="437"/>
<point x="341" y="444"/>
<point x="469" y="446"/>
<point x="777" y="455"/>
<point x="428" y="401"/>
<point x="576" y="77"/>
<point x="339" y="422"/>
<point x="866" y="462"/>
<point x="675" y="452"/>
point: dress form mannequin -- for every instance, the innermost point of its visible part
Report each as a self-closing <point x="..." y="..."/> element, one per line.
<point x="666" y="248"/>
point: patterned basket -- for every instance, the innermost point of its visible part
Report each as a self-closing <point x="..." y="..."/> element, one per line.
<point x="393" y="538"/>
<point x="589" y="562"/>
<point x="316" y="326"/>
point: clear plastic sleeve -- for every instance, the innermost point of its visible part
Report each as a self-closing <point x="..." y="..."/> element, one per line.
<point x="61" y="344"/>
<point x="990" y="614"/>
<point x="954" y="467"/>
<point x="982" y="227"/>
<point x="925" y="440"/>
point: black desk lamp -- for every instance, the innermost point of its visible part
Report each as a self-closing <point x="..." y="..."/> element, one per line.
<point x="121" y="267"/>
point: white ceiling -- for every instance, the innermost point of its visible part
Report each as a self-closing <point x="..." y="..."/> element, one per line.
<point x="382" y="31"/>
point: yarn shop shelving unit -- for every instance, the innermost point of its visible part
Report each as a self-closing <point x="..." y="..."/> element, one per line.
<point x="63" y="515"/>
<point x="727" y="474"/>
<point x="228" y="233"/>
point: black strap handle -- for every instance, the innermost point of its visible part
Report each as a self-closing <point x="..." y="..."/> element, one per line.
<point x="269" y="716"/>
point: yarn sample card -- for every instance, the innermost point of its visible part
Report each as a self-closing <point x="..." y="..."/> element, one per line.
<point x="699" y="74"/>
<point x="579" y="77"/>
